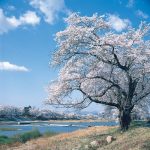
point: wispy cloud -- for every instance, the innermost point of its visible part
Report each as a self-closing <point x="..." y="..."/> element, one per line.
<point x="50" y="8"/>
<point x="130" y="3"/>
<point x="141" y="14"/>
<point x="117" y="23"/>
<point x="9" y="23"/>
<point x="7" y="66"/>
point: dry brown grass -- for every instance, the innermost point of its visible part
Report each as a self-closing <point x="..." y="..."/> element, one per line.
<point x="135" y="139"/>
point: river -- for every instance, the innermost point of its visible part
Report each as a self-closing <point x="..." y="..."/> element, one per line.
<point x="59" y="127"/>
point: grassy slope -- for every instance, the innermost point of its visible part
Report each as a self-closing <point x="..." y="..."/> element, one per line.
<point x="137" y="138"/>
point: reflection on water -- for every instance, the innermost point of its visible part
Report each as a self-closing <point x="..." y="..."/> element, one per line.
<point x="47" y="126"/>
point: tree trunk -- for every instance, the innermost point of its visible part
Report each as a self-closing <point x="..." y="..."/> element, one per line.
<point x="124" y="119"/>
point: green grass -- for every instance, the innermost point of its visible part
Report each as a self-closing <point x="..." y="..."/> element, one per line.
<point x="22" y="138"/>
<point x="27" y="136"/>
<point x="8" y="129"/>
<point x="137" y="124"/>
<point x="6" y="140"/>
<point x="49" y="134"/>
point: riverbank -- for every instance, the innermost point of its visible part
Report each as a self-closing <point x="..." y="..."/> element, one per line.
<point x="82" y="120"/>
<point x="137" y="138"/>
<point x="53" y="121"/>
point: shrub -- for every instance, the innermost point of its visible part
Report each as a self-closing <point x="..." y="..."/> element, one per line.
<point x="5" y="140"/>
<point x="28" y="136"/>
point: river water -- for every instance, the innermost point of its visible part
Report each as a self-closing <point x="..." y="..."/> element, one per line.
<point x="51" y="126"/>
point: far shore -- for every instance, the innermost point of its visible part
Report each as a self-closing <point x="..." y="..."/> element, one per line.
<point x="82" y="120"/>
<point x="55" y="121"/>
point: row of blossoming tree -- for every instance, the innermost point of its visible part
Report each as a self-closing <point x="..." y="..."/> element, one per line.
<point x="101" y="66"/>
<point x="23" y="113"/>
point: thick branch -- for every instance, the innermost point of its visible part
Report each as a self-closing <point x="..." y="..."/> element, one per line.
<point x="111" y="82"/>
<point x="141" y="97"/>
<point x="98" y="101"/>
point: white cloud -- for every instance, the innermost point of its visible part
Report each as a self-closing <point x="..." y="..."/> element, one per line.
<point x="130" y="3"/>
<point x="50" y="8"/>
<point x="141" y="14"/>
<point x="29" y="18"/>
<point x="7" y="66"/>
<point x="117" y="23"/>
<point x="9" y="23"/>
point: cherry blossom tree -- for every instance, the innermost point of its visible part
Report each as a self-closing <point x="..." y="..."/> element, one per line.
<point x="101" y="65"/>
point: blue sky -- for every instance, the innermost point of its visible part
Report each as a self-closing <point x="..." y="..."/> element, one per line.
<point x="27" y="29"/>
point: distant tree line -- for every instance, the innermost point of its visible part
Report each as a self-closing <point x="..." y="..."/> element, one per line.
<point x="25" y="113"/>
<point x="32" y="113"/>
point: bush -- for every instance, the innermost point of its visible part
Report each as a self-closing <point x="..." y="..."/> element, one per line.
<point x="5" y="140"/>
<point x="148" y="120"/>
<point x="28" y="136"/>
